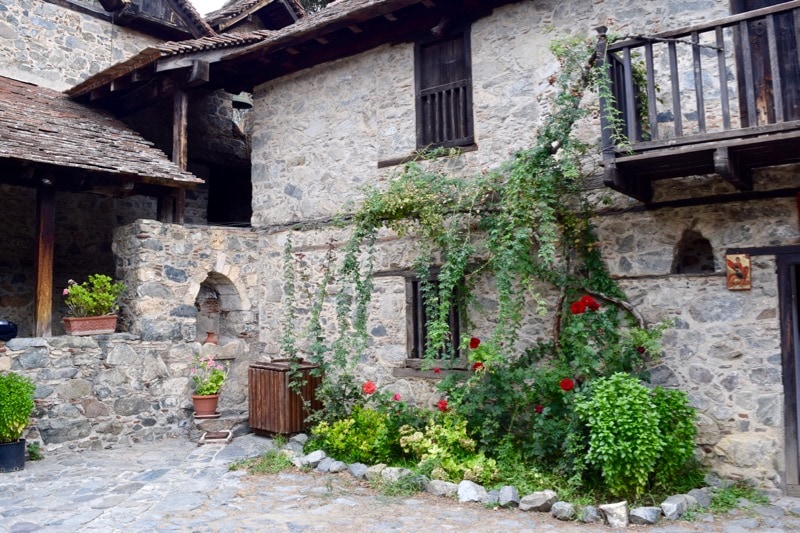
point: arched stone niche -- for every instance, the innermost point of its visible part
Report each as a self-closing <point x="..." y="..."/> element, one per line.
<point x="221" y="310"/>
<point x="693" y="254"/>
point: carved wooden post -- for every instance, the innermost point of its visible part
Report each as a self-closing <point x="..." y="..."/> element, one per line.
<point x="45" y="237"/>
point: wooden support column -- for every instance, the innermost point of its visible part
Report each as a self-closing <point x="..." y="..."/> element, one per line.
<point x="180" y="147"/>
<point x="45" y="239"/>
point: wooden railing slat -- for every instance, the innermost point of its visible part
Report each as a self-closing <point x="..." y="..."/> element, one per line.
<point x="750" y="119"/>
<point x="722" y="74"/>
<point x="631" y="113"/>
<point x="652" y="110"/>
<point x="698" y="83"/>
<point x="676" y="91"/>
<point x="775" y="70"/>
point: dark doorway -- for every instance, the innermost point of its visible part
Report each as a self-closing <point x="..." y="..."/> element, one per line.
<point x="753" y="57"/>
<point x="788" y="288"/>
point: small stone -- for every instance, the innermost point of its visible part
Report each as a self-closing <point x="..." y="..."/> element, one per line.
<point x="541" y="501"/>
<point x="337" y="466"/>
<point x="301" y="438"/>
<point x="616" y="514"/>
<point x="294" y="447"/>
<point x="492" y="498"/>
<point x="374" y="471"/>
<point x="393" y="474"/>
<point x="508" y="497"/>
<point x="674" y="506"/>
<point x="469" y="491"/>
<point x="563" y="511"/>
<point x="645" y="515"/>
<point x="438" y="487"/>
<point x="702" y="497"/>
<point x="590" y="515"/>
<point x="314" y="458"/>
<point x="324" y="465"/>
<point x="358" y="470"/>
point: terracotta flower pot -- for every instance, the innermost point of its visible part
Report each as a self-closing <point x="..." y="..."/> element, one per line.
<point x="90" y="325"/>
<point x="205" y="405"/>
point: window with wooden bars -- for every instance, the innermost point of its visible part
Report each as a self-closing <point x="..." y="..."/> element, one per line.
<point x="443" y="78"/>
<point x="417" y="309"/>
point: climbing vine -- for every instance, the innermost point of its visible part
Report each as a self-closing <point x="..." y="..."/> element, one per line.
<point x="525" y="223"/>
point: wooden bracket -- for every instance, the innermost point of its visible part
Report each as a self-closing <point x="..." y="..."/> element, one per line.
<point x="727" y="165"/>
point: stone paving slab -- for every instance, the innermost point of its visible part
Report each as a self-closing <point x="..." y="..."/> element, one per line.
<point x="174" y="485"/>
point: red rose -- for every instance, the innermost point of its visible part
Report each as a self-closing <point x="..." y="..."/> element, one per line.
<point x="539" y="408"/>
<point x="442" y="405"/>
<point x="477" y="366"/>
<point x="641" y="349"/>
<point x="577" y="308"/>
<point x="437" y="370"/>
<point x="369" y="387"/>
<point x="590" y="303"/>
<point x="396" y="397"/>
<point x="474" y="342"/>
<point x="567" y="384"/>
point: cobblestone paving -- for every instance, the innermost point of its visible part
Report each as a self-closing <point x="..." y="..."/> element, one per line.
<point x="174" y="485"/>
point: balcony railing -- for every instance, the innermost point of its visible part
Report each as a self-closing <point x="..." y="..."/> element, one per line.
<point x="721" y="97"/>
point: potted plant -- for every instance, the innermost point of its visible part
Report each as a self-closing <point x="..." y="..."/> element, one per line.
<point x="208" y="377"/>
<point x="16" y="406"/>
<point x="92" y="305"/>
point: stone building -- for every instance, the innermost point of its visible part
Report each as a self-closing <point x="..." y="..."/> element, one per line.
<point x="336" y="106"/>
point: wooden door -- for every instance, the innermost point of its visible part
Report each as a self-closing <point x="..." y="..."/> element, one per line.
<point x="788" y="288"/>
<point x="756" y="46"/>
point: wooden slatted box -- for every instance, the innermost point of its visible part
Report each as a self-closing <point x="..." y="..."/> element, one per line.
<point x="274" y="407"/>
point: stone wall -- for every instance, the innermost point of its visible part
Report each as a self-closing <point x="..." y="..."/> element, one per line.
<point x="55" y="47"/>
<point x="111" y="390"/>
<point x="348" y="115"/>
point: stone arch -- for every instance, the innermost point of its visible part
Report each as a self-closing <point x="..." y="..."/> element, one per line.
<point x="693" y="254"/>
<point x="221" y="306"/>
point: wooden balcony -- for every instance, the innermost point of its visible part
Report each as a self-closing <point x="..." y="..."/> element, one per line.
<point x="721" y="97"/>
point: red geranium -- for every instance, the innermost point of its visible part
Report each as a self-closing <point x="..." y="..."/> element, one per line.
<point x="369" y="387"/>
<point x="567" y="384"/>
<point x="474" y="342"/>
<point x="397" y="397"/>
<point x="577" y="308"/>
<point x="641" y="349"/>
<point x="442" y="405"/>
<point x="437" y="370"/>
<point x="590" y="303"/>
<point x="539" y="408"/>
<point x="477" y="366"/>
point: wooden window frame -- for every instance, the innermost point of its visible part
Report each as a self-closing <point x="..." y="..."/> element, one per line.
<point x="420" y="92"/>
<point x="416" y="334"/>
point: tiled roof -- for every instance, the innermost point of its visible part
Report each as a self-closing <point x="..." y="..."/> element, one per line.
<point x="42" y="126"/>
<point x="237" y="7"/>
<point x="170" y="48"/>
<point x="192" y="14"/>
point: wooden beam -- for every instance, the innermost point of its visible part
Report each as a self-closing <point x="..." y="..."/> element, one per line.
<point x="199" y="74"/>
<point x="180" y="146"/>
<point x="45" y="239"/>
<point x="321" y="40"/>
<point x="390" y="17"/>
<point x="354" y="28"/>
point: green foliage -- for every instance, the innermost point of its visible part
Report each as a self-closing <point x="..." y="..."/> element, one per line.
<point x="445" y="449"/>
<point x="16" y="406"/>
<point x="676" y="420"/>
<point x="271" y="462"/>
<point x="728" y="498"/>
<point x="624" y="437"/>
<point x="207" y="375"/>
<point x="366" y="436"/>
<point x="96" y="296"/>
<point x="638" y="438"/>
<point x="34" y="450"/>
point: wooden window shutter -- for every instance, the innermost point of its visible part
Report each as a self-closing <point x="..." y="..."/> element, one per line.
<point x="443" y="78"/>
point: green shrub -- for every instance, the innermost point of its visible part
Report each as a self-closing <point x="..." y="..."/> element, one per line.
<point x="676" y="424"/>
<point x="624" y="437"/>
<point x="445" y="450"/>
<point x="366" y="436"/>
<point x="16" y="405"/>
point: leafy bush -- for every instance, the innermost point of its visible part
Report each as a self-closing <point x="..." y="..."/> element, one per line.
<point x="366" y="436"/>
<point x="677" y="427"/>
<point x="96" y="296"/>
<point x="16" y="406"/>
<point x="624" y="437"/>
<point x="445" y="449"/>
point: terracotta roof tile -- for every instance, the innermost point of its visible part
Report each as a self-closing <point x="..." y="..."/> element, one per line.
<point x="43" y="126"/>
<point x="192" y="14"/>
<point x="237" y="7"/>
